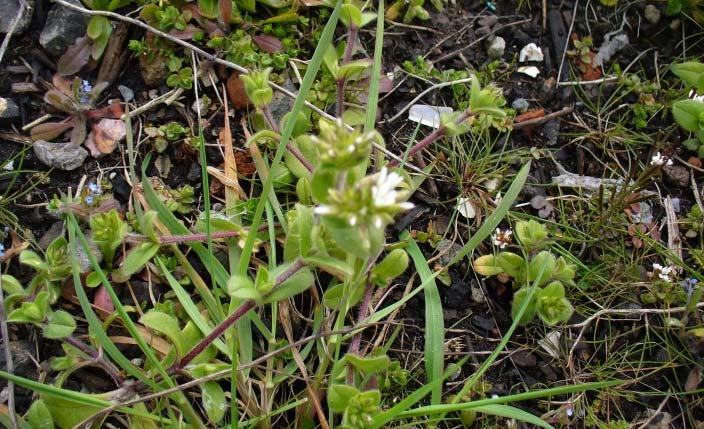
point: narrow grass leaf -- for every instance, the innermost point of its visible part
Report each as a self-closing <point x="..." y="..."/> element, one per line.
<point x="493" y="220"/>
<point x="434" y="321"/>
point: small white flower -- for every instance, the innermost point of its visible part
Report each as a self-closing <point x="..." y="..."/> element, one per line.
<point x="693" y="96"/>
<point x="378" y="222"/>
<point x="353" y="220"/>
<point x="658" y="160"/>
<point x="384" y="192"/>
<point x="663" y="273"/>
<point x="323" y="210"/>
<point x="501" y="238"/>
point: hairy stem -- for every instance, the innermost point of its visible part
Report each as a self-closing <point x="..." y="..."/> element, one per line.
<point x="340" y="84"/>
<point x="431" y="138"/>
<point x="97" y="358"/>
<point x="231" y="320"/>
<point x="291" y="148"/>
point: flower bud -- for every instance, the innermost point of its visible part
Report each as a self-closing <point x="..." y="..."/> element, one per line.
<point x="256" y="85"/>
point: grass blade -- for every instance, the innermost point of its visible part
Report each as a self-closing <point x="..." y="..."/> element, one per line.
<point x="312" y="70"/>
<point x="493" y="220"/>
<point x="434" y="320"/>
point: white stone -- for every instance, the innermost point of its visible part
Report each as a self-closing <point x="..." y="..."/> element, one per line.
<point x="530" y="52"/>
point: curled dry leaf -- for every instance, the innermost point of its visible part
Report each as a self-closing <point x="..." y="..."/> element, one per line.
<point x="50" y="130"/>
<point x="236" y="92"/>
<point x="102" y="300"/>
<point x="75" y="57"/>
<point x="269" y="44"/>
<point x="105" y="136"/>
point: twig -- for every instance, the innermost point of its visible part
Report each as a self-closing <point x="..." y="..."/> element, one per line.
<point x="164" y="98"/>
<point x="9" y="367"/>
<point x="6" y="42"/>
<point x="97" y="358"/>
<point x="567" y="42"/>
<point x="192" y="47"/>
<point x="422" y="94"/>
<point x="537" y="121"/>
<point x="477" y="40"/>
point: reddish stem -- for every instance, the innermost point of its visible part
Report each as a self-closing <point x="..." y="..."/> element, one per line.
<point x="231" y="320"/>
<point x="291" y="148"/>
<point x="99" y="360"/>
<point x="340" y="103"/>
<point x="432" y="137"/>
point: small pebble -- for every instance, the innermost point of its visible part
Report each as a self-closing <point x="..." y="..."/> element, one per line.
<point x="488" y="21"/>
<point x="520" y="105"/>
<point x="530" y="52"/>
<point x="8" y="109"/>
<point x="127" y="93"/>
<point x="496" y="48"/>
<point x="652" y="14"/>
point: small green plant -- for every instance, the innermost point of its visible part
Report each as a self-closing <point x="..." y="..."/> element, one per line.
<point x="689" y="113"/>
<point x="415" y="9"/>
<point x="538" y="267"/>
<point x="582" y="49"/>
<point x="692" y="8"/>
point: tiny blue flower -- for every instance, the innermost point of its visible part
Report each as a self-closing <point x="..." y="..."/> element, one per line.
<point x="689" y="285"/>
<point x="94" y="188"/>
<point x="89" y="200"/>
<point x="84" y="91"/>
<point x="2" y="250"/>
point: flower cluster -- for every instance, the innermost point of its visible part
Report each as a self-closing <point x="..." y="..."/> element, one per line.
<point x="663" y="273"/>
<point x="374" y="200"/>
<point x="693" y="96"/>
<point x="340" y="147"/>
<point x="94" y="191"/>
<point x="659" y="160"/>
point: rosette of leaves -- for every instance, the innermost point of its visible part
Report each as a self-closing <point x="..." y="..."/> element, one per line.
<point x="75" y="98"/>
<point x="541" y="268"/>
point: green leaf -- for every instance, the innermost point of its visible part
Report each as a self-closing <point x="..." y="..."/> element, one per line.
<point x="368" y="364"/>
<point x="330" y="265"/>
<point x="135" y="261"/>
<point x="392" y="266"/>
<point x="531" y="234"/>
<point x="519" y="297"/>
<point x="434" y="351"/>
<point x="487" y="265"/>
<point x="542" y="265"/>
<point x="331" y="61"/>
<point x="689" y="72"/>
<point x="29" y="257"/>
<point x="214" y="401"/>
<point x="339" y="396"/>
<point x="335" y="296"/>
<point x="209" y="8"/>
<point x="674" y="7"/>
<point x="299" y="241"/>
<point x="96" y="26"/>
<point x="552" y="306"/>
<point x="687" y="113"/>
<point x="61" y="324"/>
<point x="39" y="416"/>
<point x="11" y="286"/>
<point x="146" y="223"/>
<point x="297" y="283"/>
<point x="351" y="15"/>
<point x="164" y="324"/>
<point x="511" y="263"/>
